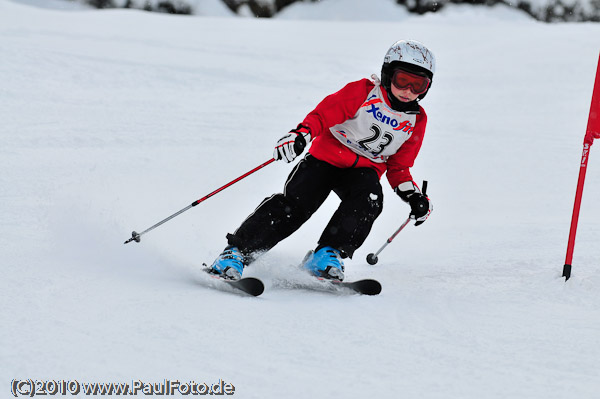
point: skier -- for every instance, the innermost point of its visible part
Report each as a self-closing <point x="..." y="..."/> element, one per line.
<point x="357" y="133"/>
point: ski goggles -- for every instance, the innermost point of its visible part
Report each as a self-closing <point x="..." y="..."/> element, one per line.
<point x="418" y="84"/>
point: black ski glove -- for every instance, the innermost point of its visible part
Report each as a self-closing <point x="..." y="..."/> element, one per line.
<point x="420" y="204"/>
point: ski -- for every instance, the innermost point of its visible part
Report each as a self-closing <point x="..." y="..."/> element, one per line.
<point x="249" y="285"/>
<point x="363" y="287"/>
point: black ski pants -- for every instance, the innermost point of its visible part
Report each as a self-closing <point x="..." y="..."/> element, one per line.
<point x="307" y="187"/>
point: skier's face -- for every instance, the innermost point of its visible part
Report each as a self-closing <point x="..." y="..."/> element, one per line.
<point x="405" y="95"/>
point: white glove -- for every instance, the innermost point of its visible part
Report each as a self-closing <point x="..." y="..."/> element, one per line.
<point x="292" y="144"/>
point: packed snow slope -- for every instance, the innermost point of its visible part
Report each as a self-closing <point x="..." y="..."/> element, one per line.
<point x="113" y="120"/>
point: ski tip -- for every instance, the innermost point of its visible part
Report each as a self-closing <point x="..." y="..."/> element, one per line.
<point x="256" y="287"/>
<point x="374" y="287"/>
<point x="368" y="287"/>
<point x="250" y="285"/>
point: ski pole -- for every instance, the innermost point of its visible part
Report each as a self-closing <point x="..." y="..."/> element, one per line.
<point x="137" y="236"/>
<point x="592" y="132"/>
<point x="372" y="257"/>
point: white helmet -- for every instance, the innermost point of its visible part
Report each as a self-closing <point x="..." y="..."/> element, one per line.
<point x="410" y="55"/>
<point x="411" y="52"/>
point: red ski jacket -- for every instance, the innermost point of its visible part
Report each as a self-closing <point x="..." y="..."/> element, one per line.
<point x="343" y="105"/>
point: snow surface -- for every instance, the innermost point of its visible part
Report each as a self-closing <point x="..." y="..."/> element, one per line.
<point x="112" y="120"/>
<point x="64" y="5"/>
<point x="348" y="10"/>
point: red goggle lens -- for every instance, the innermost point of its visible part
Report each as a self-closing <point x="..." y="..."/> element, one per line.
<point x="417" y="83"/>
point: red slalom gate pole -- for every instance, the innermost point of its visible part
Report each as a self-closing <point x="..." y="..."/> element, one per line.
<point x="137" y="236"/>
<point x="592" y="132"/>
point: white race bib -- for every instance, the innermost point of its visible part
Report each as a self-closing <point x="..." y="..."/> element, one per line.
<point x="376" y="131"/>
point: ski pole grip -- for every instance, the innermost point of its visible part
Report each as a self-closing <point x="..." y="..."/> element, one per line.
<point x="424" y="187"/>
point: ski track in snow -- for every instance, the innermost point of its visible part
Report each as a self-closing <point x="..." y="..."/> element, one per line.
<point x="113" y="120"/>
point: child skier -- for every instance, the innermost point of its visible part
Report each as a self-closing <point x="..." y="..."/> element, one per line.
<point x="357" y="134"/>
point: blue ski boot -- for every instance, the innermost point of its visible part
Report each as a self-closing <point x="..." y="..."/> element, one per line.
<point x="327" y="263"/>
<point x="230" y="264"/>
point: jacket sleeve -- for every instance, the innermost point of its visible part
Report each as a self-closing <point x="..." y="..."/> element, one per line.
<point x="338" y="107"/>
<point x="399" y="164"/>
